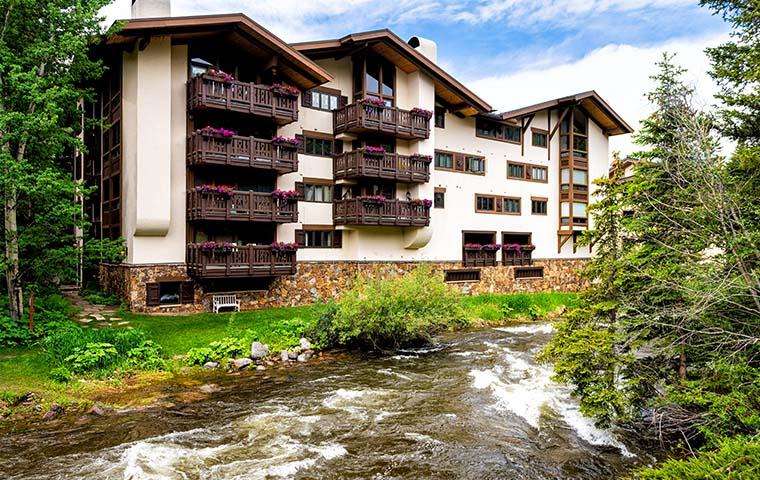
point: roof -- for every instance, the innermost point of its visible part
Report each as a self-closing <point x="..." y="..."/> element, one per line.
<point x="239" y="28"/>
<point x="597" y="108"/>
<point x="458" y="98"/>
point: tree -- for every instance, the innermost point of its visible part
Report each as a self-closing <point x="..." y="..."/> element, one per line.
<point x="45" y="70"/>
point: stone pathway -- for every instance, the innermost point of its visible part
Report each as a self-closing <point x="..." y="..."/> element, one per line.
<point x="93" y="315"/>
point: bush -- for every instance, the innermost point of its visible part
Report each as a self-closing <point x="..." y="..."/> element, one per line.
<point x="61" y="374"/>
<point x="228" y="347"/>
<point x="146" y="356"/>
<point x="50" y="312"/>
<point x="13" y="333"/>
<point x="497" y="307"/>
<point x="389" y="313"/>
<point x="101" y="298"/>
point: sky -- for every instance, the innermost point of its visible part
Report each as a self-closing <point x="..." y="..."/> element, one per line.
<point x="514" y="53"/>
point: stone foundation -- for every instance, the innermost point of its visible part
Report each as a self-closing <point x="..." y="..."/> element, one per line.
<point x="321" y="281"/>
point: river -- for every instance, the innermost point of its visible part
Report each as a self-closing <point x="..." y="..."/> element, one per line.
<point x="478" y="407"/>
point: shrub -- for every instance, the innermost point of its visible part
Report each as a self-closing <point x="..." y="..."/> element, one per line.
<point x="389" y="313"/>
<point x="50" y="312"/>
<point x="146" y="356"/>
<point x="93" y="356"/>
<point x="61" y="374"/>
<point x="228" y="347"/>
<point x="199" y="355"/>
<point x="101" y="298"/>
<point x="13" y="333"/>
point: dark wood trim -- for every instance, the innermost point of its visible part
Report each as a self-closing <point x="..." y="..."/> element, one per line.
<point x="526" y="167"/>
<point x="497" y="199"/>
<point x="460" y="158"/>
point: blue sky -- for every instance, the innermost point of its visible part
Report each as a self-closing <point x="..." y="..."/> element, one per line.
<point x="513" y="53"/>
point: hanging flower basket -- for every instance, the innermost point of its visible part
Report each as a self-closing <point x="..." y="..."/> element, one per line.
<point x="283" y="247"/>
<point x="285" y="195"/>
<point x="217" y="247"/>
<point x="373" y="200"/>
<point x="219" y="75"/>
<point x="224" y="191"/>
<point x="285" y="90"/>
<point x="372" y="102"/>
<point x="374" y="151"/>
<point x="422" y="112"/>
<point x="286" y="142"/>
<point x="220" y="133"/>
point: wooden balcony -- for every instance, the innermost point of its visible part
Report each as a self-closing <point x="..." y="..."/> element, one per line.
<point x="207" y="92"/>
<point x="238" y="151"/>
<point x="475" y="257"/>
<point x="392" y="166"/>
<point x="242" y="207"/>
<point x="243" y="261"/>
<point x="363" y="118"/>
<point x="399" y="213"/>
<point x="516" y="257"/>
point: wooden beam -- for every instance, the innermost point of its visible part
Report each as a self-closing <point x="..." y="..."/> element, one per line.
<point x="526" y="125"/>
<point x="559" y="122"/>
<point x="562" y="239"/>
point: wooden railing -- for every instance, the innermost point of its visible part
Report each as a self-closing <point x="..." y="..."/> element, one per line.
<point x="359" y="117"/>
<point x="510" y="256"/>
<point x="475" y="257"/>
<point x="399" y="213"/>
<point x="402" y="168"/>
<point x="242" y="206"/>
<point x="240" y="151"/>
<point x="243" y="261"/>
<point x="205" y="91"/>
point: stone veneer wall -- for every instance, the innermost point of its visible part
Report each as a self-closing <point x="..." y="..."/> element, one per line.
<point x="319" y="281"/>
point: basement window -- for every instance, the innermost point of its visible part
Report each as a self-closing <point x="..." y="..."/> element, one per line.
<point x="456" y="276"/>
<point x="529" y="272"/>
<point x="161" y="294"/>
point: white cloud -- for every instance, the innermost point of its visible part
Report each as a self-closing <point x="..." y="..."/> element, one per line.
<point x="619" y="73"/>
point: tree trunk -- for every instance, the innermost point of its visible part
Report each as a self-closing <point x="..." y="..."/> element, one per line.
<point x="682" y="365"/>
<point x="12" y="279"/>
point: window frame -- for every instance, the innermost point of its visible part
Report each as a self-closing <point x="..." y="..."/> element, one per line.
<point x="319" y="137"/>
<point x="539" y="132"/>
<point x="360" y="92"/>
<point x="496" y="200"/>
<point x="332" y="92"/>
<point x="544" y="200"/>
<point x="318" y="182"/>
<point x="438" y="191"/>
<point x="336" y="236"/>
<point x="439" y="113"/>
<point x="499" y="128"/>
<point x="527" y="171"/>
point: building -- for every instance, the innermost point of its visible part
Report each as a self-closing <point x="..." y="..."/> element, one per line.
<point x="225" y="145"/>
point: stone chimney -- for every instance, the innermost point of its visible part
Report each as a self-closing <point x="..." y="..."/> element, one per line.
<point x="426" y="47"/>
<point x="151" y="8"/>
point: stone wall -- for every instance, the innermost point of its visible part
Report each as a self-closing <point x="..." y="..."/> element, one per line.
<point x="320" y="281"/>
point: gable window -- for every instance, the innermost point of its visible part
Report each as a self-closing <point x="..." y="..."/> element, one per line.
<point x="540" y="138"/>
<point x="322" y="98"/>
<point x="439" y="198"/>
<point x="498" y="131"/>
<point x="475" y="164"/>
<point x="526" y="171"/>
<point x="374" y="77"/>
<point x="440" y="117"/>
<point x="444" y="160"/>
<point x="538" y="206"/>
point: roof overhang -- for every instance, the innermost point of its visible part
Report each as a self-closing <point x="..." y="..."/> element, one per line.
<point x="604" y="116"/>
<point x="455" y="96"/>
<point x="238" y="28"/>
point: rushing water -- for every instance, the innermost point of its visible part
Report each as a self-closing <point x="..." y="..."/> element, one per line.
<point x="479" y="408"/>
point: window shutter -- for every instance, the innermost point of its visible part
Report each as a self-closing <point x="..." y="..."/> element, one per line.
<point x="152" y="294"/>
<point x="459" y="163"/>
<point x="300" y="238"/>
<point x="187" y="292"/>
<point x="306" y="98"/>
<point x="300" y="189"/>
<point x="342" y="101"/>
<point x="301" y="143"/>
<point x="337" y="238"/>
<point x="499" y="204"/>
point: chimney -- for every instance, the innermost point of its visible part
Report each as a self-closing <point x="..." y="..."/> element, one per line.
<point x="426" y="47"/>
<point x="151" y="8"/>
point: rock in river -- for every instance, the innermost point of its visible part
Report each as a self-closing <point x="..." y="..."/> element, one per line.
<point x="241" y="363"/>
<point x="305" y="344"/>
<point x="259" y="351"/>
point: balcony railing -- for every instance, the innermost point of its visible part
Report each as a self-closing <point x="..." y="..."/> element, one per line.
<point x="510" y="256"/>
<point x="238" y="151"/>
<point x="360" y="117"/>
<point x="475" y="257"/>
<point x="243" y="261"/>
<point x="401" y="168"/>
<point x="207" y="92"/>
<point x="241" y="206"/>
<point x="400" y="213"/>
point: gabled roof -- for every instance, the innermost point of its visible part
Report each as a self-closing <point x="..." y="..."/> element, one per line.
<point x="239" y="29"/>
<point x="610" y="122"/>
<point x="458" y="98"/>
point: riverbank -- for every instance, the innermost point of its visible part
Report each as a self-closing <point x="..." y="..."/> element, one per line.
<point x="28" y="393"/>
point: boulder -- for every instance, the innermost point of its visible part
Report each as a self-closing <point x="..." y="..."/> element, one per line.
<point x="302" y="357"/>
<point x="292" y="355"/>
<point x="54" y="412"/>
<point x="259" y="351"/>
<point x="241" y="363"/>
<point x="211" y="365"/>
<point x="260" y="368"/>
<point x="304" y="344"/>
<point x="210" y="388"/>
<point x="284" y="356"/>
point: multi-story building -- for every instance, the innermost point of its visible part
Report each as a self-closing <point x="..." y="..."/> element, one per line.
<point x="224" y="146"/>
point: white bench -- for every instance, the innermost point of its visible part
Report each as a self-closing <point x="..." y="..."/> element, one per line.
<point x="225" y="301"/>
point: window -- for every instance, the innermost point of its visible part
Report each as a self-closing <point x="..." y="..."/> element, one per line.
<point x="540" y="138"/>
<point x="475" y="164"/>
<point x="439" y="198"/>
<point x="444" y="160"/>
<point x="317" y="192"/>
<point x="169" y="293"/>
<point x="454" y="276"/>
<point x="497" y="204"/>
<point x="322" y="99"/>
<point x="525" y="171"/>
<point x="579" y="209"/>
<point x="323" y="147"/>
<point x="538" y="206"/>
<point x="498" y="131"/>
<point x="529" y="272"/>
<point x="313" y="236"/>
<point x="440" y="117"/>
<point x="374" y="77"/>
<point x="579" y="180"/>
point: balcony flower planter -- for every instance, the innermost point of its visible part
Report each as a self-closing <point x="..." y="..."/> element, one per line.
<point x="219" y="133"/>
<point x="373" y="200"/>
<point x="285" y="90"/>
<point x="374" y="151"/>
<point x="423" y="202"/>
<point x="217" y="247"/>
<point x="224" y="191"/>
<point x="372" y="102"/>
<point x="489" y="247"/>
<point x="285" y="195"/>
<point x="422" y="112"/>
<point x="284" y="247"/>
<point x="424" y="158"/>
<point x="219" y="75"/>
<point x="284" y="142"/>
<point x="527" y="248"/>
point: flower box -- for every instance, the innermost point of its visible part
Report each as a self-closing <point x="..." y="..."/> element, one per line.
<point x="427" y="203"/>
<point x="373" y="102"/>
<point x="220" y="133"/>
<point x="283" y="247"/>
<point x="373" y="200"/>
<point x="424" y="158"/>
<point x="422" y="112"/>
<point x="217" y="247"/>
<point x="225" y="191"/>
<point x="285" y="90"/>
<point x="217" y="74"/>
<point x="527" y="248"/>
<point x="374" y="151"/>
<point x="285" y="195"/>
<point x="286" y="142"/>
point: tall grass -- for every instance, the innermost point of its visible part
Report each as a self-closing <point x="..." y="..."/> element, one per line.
<point x="518" y="306"/>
